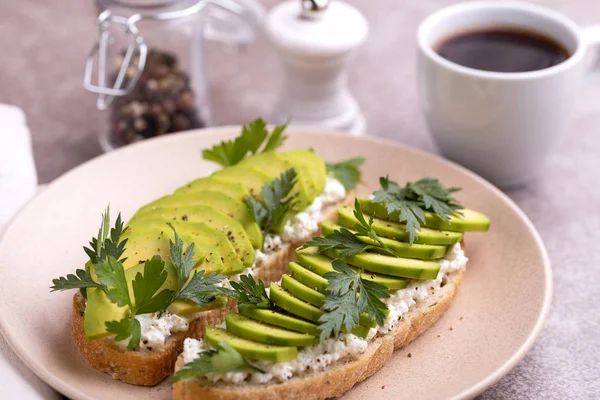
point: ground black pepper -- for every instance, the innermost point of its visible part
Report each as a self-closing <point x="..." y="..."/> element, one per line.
<point x="162" y="101"/>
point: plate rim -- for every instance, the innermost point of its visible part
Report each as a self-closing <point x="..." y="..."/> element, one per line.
<point x="485" y="383"/>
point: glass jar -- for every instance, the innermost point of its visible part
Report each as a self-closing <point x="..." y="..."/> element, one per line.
<point x="148" y="66"/>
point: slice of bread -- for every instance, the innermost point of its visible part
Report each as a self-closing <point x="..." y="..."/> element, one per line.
<point x="340" y="376"/>
<point x="148" y="368"/>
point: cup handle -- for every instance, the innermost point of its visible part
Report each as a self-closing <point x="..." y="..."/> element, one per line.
<point x="591" y="37"/>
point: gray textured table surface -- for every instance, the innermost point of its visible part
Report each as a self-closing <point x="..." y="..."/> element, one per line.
<point x="43" y="46"/>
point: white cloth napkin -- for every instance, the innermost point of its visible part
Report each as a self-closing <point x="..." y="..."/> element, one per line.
<point x="18" y="184"/>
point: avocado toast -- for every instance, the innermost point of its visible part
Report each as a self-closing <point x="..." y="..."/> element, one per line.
<point x="381" y="275"/>
<point x="166" y="274"/>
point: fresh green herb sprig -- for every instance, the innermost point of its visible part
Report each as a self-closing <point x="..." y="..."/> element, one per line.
<point x="249" y="292"/>
<point x="276" y="202"/>
<point x="348" y="243"/>
<point x="253" y="136"/>
<point x="348" y="296"/>
<point x="192" y="285"/>
<point x="347" y="172"/>
<point x="104" y="245"/>
<point x="224" y="359"/>
<point x="147" y="296"/>
<point x="414" y="199"/>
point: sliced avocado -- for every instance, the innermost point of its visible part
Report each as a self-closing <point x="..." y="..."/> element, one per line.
<point x="275" y="165"/>
<point x="279" y="319"/>
<point x="294" y="305"/>
<point x="99" y="309"/>
<point x="395" y="266"/>
<point x="248" y="348"/>
<point x="314" y="163"/>
<point x="218" y="253"/>
<point x="219" y="201"/>
<point x="302" y="292"/>
<point x="214" y="218"/>
<point x="144" y="244"/>
<point x="183" y="307"/>
<point x="396" y="230"/>
<point x="236" y="190"/>
<point x="466" y="220"/>
<point x="251" y="177"/>
<point x="402" y="249"/>
<point x="311" y="296"/>
<point x="308" y="172"/>
<point x="304" y="310"/>
<point x="250" y="329"/>
<point x="320" y="264"/>
<point x="308" y="277"/>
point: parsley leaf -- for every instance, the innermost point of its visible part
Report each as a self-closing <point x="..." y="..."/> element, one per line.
<point x="253" y="136"/>
<point x="127" y="327"/>
<point x="369" y="295"/>
<point x="112" y="275"/>
<point x="340" y="311"/>
<point x="343" y="240"/>
<point x="183" y="261"/>
<point x="81" y="279"/>
<point x="103" y="246"/>
<point x="276" y="202"/>
<point x="365" y="229"/>
<point x="250" y="292"/>
<point x="414" y="199"/>
<point x="349" y="243"/>
<point x="276" y="139"/>
<point x="145" y="288"/>
<point x="222" y="360"/>
<point x="200" y="289"/>
<point x="436" y="197"/>
<point x="348" y="296"/>
<point x="347" y="172"/>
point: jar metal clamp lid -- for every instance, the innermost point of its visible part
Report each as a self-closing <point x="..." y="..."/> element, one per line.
<point x="242" y="20"/>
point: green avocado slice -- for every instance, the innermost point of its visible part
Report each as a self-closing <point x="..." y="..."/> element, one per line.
<point x="305" y="310"/>
<point x="311" y="296"/>
<point x="402" y="249"/>
<point x="397" y="231"/>
<point x="402" y="267"/>
<point x="294" y="305"/>
<point x="307" y="277"/>
<point x="319" y="264"/>
<point x="251" y="177"/>
<point x="314" y="163"/>
<point x="248" y="348"/>
<point x="275" y="165"/>
<point x="219" y="255"/>
<point x="467" y="221"/>
<point x="99" y="309"/>
<point x="219" y="201"/>
<point x="214" y="218"/>
<point x="236" y="190"/>
<point x="278" y="319"/>
<point x="250" y="329"/>
<point x="311" y="173"/>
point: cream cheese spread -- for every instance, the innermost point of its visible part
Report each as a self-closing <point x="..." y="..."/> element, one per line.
<point x="318" y="356"/>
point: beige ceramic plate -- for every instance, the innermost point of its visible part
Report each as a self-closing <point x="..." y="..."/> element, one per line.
<point x="496" y="317"/>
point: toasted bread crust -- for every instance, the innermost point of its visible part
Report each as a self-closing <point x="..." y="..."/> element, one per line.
<point x="341" y="376"/>
<point x="148" y="368"/>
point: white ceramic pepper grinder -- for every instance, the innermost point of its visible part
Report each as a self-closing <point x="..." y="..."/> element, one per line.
<point x="315" y="39"/>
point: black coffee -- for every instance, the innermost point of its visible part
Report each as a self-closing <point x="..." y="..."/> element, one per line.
<point x="502" y="50"/>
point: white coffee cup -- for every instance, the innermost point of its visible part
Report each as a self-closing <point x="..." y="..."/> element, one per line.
<point x="500" y="125"/>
